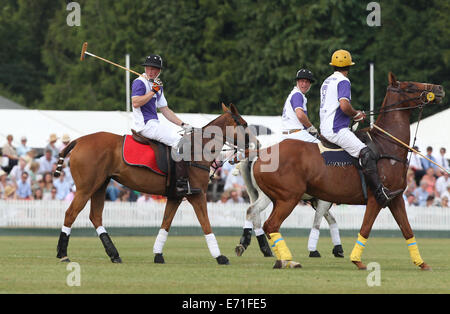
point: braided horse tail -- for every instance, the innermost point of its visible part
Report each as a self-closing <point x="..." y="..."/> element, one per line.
<point x="63" y="155"/>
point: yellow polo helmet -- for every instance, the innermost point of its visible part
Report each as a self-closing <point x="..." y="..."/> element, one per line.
<point x="341" y="58"/>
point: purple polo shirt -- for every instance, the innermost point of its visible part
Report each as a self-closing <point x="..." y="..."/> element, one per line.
<point x="149" y="109"/>
<point x="341" y="120"/>
<point x="297" y="102"/>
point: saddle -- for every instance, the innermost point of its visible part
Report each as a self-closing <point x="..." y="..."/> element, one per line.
<point x="143" y="152"/>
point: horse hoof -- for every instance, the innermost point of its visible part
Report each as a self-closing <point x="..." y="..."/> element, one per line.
<point x="222" y="260"/>
<point x="65" y="260"/>
<point x="116" y="260"/>
<point x="338" y="251"/>
<point x="314" y="254"/>
<point x="279" y="264"/>
<point x="425" y="266"/>
<point x="159" y="259"/>
<point x="239" y="250"/>
<point x="360" y="265"/>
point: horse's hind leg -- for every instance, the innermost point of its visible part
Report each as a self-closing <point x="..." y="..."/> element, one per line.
<point x="76" y="206"/>
<point x="397" y="208"/>
<point x="161" y="238"/>
<point x="253" y="220"/>
<point x="97" y="205"/>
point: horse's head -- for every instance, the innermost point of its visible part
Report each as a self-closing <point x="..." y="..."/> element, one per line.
<point x="409" y="95"/>
<point x="242" y="135"/>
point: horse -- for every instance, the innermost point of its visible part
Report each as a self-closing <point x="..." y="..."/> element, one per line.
<point x="96" y="158"/>
<point x="259" y="202"/>
<point x="301" y="170"/>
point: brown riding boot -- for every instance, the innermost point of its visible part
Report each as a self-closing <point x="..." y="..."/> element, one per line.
<point x="183" y="187"/>
<point x="368" y="162"/>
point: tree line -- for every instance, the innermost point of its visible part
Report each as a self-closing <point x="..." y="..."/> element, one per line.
<point x="245" y="52"/>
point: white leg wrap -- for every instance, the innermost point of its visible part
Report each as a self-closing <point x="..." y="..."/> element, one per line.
<point x="160" y="241"/>
<point x="66" y="230"/>
<point x="313" y="239"/>
<point x="334" y="231"/>
<point x="248" y="224"/>
<point x="213" y="246"/>
<point x="259" y="231"/>
<point x="100" y="230"/>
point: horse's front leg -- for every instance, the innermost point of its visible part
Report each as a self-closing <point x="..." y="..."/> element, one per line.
<point x="161" y="238"/>
<point x="198" y="201"/>
<point x="397" y="208"/>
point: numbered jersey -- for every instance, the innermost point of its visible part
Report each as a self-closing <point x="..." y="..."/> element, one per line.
<point x="332" y="118"/>
<point x="289" y="120"/>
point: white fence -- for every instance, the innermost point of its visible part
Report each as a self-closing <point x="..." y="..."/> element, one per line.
<point x="50" y="214"/>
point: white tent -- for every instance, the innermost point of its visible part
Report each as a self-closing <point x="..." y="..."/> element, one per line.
<point x="37" y="125"/>
<point x="433" y="131"/>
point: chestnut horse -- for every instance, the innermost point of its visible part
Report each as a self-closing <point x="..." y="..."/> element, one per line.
<point x="97" y="158"/>
<point x="302" y="170"/>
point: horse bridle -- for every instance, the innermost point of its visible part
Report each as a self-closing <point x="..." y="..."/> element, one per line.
<point x="426" y="96"/>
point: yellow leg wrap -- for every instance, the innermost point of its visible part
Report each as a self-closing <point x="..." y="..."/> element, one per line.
<point x="358" y="249"/>
<point x="278" y="245"/>
<point x="414" y="251"/>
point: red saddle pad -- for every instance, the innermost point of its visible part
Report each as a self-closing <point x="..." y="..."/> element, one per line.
<point x="137" y="154"/>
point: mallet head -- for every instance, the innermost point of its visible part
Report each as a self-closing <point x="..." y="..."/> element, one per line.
<point x="83" y="50"/>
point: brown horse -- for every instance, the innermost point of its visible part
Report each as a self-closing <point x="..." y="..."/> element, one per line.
<point x="302" y="170"/>
<point x="97" y="158"/>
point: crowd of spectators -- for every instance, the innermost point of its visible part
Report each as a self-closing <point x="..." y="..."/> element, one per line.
<point x="26" y="176"/>
<point x="427" y="184"/>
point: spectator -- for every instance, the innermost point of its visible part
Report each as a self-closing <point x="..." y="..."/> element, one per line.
<point x="444" y="202"/>
<point x="10" y="193"/>
<point x="65" y="141"/>
<point x="3" y="182"/>
<point x="46" y="162"/>
<point x="411" y="200"/>
<point x="38" y="195"/>
<point x="113" y="191"/>
<point x="24" y="187"/>
<point x="71" y="194"/>
<point x="441" y="184"/>
<point x="33" y="171"/>
<point x="47" y="185"/>
<point x="430" y="201"/>
<point x="234" y="181"/>
<point x="145" y="198"/>
<point x="410" y="182"/>
<point x="17" y="170"/>
<point x="441" y="160"/>
<point x="415" y="164"/>
<point x="426" y="163"/>
<point x="10" y="152"/>
<point x="23" y="149"/>
<point x="224" y="197"/>
<point x="430" y="179"/>
<point x="124" y="195"/>
<point x="235" y="198"/>
<point x="62" y="186"/>
<point x="52" y="145"/>
<point x="421" y="193"/>
<point x="50" y="196"/>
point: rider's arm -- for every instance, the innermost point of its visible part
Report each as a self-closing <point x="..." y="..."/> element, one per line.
<point x="302" y="117"/>
<point x="170" y="115"/>
<point x="139" y="101"/>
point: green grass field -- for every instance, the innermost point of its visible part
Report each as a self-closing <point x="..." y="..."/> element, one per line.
<point x="29" y="265"/>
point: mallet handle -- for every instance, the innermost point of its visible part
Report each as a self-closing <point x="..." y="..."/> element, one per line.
<point x="415" y="151"/>
<point x="117" y="65"/>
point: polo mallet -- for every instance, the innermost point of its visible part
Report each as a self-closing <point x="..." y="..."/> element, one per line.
<point x="407" y="146"/>
<point x="85" y="52"/>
